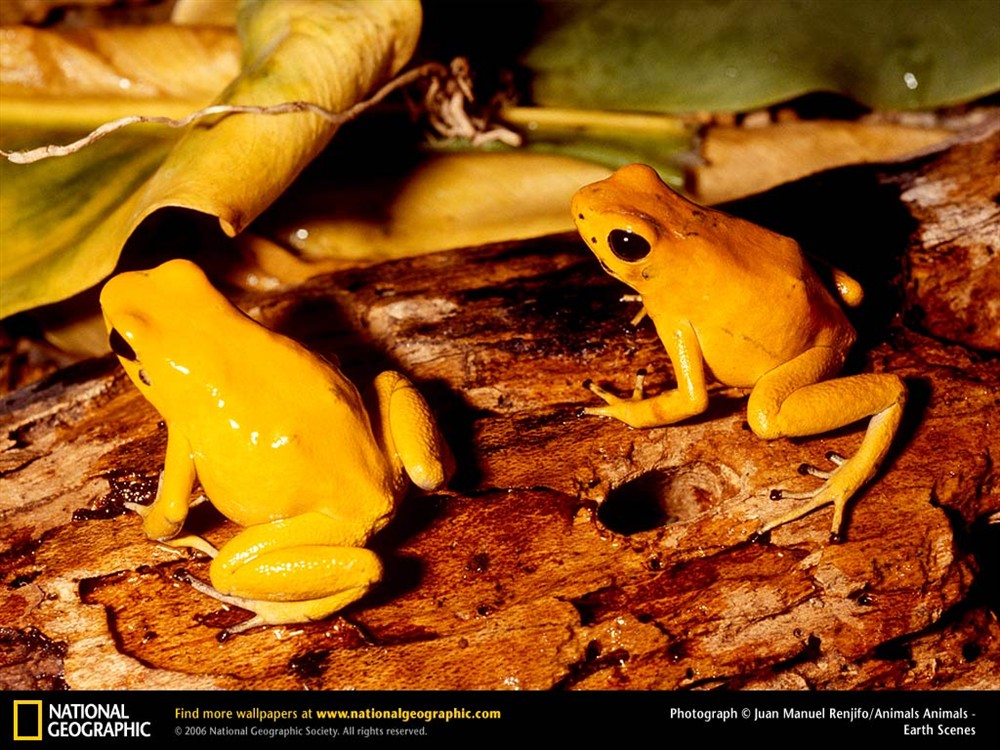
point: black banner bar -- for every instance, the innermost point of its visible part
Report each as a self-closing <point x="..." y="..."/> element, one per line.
<point x="947" y="719"/>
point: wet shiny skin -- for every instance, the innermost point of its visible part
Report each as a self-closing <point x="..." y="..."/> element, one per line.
<point x="279" y="439"/>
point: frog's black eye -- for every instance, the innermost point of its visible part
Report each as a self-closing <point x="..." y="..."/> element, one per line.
<point x="121" y="347"/>
<point x="628" y="246"/>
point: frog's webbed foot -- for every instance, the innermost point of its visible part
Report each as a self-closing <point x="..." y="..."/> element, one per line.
<point x="793" y="400"/>
<point x="613" y="402"/>
<point x="836" y="489"/>
<point x="188" y="540"/>
<point x="256" y="621"/>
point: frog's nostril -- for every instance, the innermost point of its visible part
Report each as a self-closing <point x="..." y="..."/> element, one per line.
<point x="120" y="346"/>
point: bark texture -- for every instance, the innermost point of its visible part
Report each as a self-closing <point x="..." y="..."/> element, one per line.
<point x="569" y="552"/>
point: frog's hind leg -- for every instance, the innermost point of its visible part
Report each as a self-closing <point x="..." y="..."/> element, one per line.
<point x="293" y="570"/>
<point x="266" y="612"/>
<point x="793" y="401"/>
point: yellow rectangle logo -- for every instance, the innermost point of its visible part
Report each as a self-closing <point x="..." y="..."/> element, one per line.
<point x="27" y="723"/>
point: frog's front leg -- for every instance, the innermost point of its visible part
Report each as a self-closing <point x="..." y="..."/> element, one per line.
<point x="162" y="520"/>
<point x="687" y="400"/>
<point x="293" y="570"/>
<point x="789" y="402"/>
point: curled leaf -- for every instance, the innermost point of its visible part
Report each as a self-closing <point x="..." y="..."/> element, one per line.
<point x="64" y="221"/>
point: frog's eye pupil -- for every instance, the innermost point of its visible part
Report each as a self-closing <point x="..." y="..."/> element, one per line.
<point x="121" y="347"/>
<point x="628" y="246"/>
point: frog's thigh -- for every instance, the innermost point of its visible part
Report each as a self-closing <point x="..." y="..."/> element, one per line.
<point x="790" y="400"/>
<point x="407" y="421"/>
<point x="298" y="559"/>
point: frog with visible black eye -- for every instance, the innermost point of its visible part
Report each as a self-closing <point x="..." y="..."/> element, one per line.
<point x="736" y="303"/>
<point x="279" y="439"/>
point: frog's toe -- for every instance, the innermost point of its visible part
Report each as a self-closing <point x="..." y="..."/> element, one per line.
<point x="836" y="458"/>
<point x="608" y="410"/>
<point x="780" y="494"/>
<point x="760" y="537"/>
<point x="254" y="622"/>
<point x="606" y="396"/>
<point x="812" y="471"/>
<point x="192" y="541"/>
<point x="638" y="391"/>
<point x="839" y="484"/>
<point x="138" y="508"/>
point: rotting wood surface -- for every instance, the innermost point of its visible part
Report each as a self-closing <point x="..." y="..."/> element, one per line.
<point x="570" y="552"/>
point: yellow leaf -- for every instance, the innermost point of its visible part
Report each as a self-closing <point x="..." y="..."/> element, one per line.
<point x="63" y="221"/>
<point x="447" y="201"/>
<point x="46" y="76"/>
<point x="204" y="12"/>
<point x="740" y="161"/>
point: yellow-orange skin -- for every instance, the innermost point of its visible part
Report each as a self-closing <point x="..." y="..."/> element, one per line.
<point x="738" y="304"/>
<point x="280" y="440"/>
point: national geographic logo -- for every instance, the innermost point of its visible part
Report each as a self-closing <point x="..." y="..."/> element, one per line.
<point x="27" y="720"/>
<point x="72" y="720"/>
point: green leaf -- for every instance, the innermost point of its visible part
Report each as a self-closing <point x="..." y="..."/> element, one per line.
<point x="64" y="221"/>
<point x="611" y="139"/>
<point x="739" y="55"/>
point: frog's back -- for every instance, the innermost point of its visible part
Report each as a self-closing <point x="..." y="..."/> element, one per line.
<point x="763" y="309"/>
<point x="294" y="434"/>
<point x="748" y="293"/>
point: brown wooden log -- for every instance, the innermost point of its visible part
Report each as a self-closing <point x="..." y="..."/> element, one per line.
<point x="569" y="552"/>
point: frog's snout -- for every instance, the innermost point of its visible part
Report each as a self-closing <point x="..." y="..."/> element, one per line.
<point x="583" y="218"/>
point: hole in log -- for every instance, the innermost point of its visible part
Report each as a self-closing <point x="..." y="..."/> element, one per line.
<point x="663" y="496"/>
